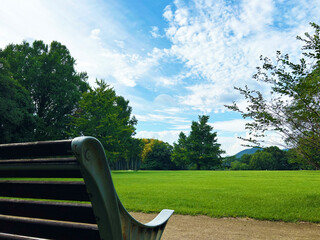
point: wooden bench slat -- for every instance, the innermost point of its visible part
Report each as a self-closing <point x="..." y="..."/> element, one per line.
<point x="48" y="229"/>
<point x="58" y="190"/>
<point x="58" y="172"/>
<point x="73" y="212"/>
<point x="60" y="160"/>
<point x="7" y="236"/>
<point x="40" y="168"/>
<point x="35" y="149"/>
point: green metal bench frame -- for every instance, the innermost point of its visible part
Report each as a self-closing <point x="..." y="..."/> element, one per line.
<point x="21" y="213"/>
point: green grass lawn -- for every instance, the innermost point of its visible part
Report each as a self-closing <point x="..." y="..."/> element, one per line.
<point x="271" y="195"/>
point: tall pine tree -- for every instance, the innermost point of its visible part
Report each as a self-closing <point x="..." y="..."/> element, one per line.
<point x="200" y="148"/>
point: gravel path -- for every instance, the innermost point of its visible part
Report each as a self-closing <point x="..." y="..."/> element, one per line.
<point x="203" y="227"/>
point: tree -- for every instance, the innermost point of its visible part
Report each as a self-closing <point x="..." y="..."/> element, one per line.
<point x="297" y="161"/>
<point x="16" y="110"/>
<point x="238" y="165"/>
<point x="280" y="158"/>
<point x="200" y="148"/>
<point x="245" y="158"/>
<point x="106" y="116"/>
<point x="134" y="156"/>
<point x="261" y="160"/>
<point x="270" y="158"/>
<point x="227" y="161"/>
<point x="159" y="156"/>
<point x="179" y="154"/>
<point x="48" y="74"/>
<point x="204" y="151"/>
<point x="294" y="107"/>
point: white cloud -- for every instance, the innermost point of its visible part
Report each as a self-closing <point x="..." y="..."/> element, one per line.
<point x="165" y="81"/>
<point x="236" y="125"/>
<point x="255" y="15"/>
<point x="155" y="32"/>
<point x="119" y="43"/>
<point x="166" y="136"/>
<point x="168" y="14"/>
<point x="170" y="110"/>
<point x="181" y="127"/>
<point x="161" y="118"/>
<point x="232" y="145"/>
<point x="164" y="101"/>
<point x="221" y="43"/>
<point x="208" y="97"/>
<point x="95" y="34"/>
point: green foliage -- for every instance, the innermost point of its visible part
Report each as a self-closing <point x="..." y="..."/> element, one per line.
<point x="294" y="107"/>
<point x="106" y="116"/>
<point x="16" y="110"/>
<point x="147" y="147"/>
<point x="158" y="157"/>
<point x="180" y="152"/>
<point x="280" y="158"/>
<point x="200" y="148"/>
<point x="297" y="162"/>
<point x="262" y="160"/>
<point x="134" y="156"/>
<point x="226" y="161"/>
<point x="237" y="165"/>
<point x="270" y="158"/>
<point x="270" y="195"/>
<point x="48" y="74"/>
<point x="245" y="158"/>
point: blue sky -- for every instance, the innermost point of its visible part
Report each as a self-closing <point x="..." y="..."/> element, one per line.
<point x="174" y="60"/>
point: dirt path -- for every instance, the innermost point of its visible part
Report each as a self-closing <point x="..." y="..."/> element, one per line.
<point x="203" y="227"/>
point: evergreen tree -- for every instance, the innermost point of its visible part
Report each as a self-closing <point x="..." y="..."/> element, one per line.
<point x="106" y="116"/>
<point x="180" y="153"/>
<point x="200" y="148"/>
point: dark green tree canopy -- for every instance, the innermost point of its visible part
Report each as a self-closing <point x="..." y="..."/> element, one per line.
<point x="48" y="74"/>
<point x="294" y="108"/>
<point x="103" y="114"/>
<point x="17" y="121"/>
<point x="269" y="158"/>
<point x="200" y="148"/>
<point x="179" y="154"/>
<point x="158" y="158"/>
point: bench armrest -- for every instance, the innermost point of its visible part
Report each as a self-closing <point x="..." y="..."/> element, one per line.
<point x="114" y="221"/>
<point x="161" y="218"/>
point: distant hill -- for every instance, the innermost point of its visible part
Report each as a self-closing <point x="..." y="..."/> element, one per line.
<point x="247" y="151"/>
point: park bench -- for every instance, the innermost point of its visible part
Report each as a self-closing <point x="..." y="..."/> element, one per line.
<point x="46" y="189"/>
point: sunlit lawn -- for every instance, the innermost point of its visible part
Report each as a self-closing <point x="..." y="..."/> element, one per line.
<point x="272" y="195"/>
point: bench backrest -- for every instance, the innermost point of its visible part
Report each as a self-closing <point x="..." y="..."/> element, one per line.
<point x="64" y="190"/>
<point x="34" y="204"/>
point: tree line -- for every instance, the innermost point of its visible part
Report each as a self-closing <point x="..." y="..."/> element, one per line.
<point x="293" y="111"/>
<point x="269" y="158"/>
<point x="43" y="97"/>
